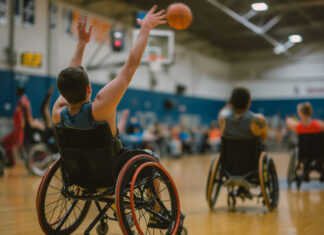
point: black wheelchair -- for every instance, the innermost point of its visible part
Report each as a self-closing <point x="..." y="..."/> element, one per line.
<point x="308" y="156"/>
<point x="42" y="154"/>
<point x="133" y="186"/>
<point x="241" y="166"/>
<point x="2" y="160"/>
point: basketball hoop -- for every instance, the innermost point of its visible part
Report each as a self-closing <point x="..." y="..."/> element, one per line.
<point x="155" y="63"/>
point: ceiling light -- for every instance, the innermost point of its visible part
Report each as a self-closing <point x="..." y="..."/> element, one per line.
<point x="259" y="6"/>
<point x="295" y="38"/>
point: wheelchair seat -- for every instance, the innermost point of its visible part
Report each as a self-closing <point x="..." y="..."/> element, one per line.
<point x="311" y="147"/>
<point x="240" y="158"/>
<point x="88" y="157"/>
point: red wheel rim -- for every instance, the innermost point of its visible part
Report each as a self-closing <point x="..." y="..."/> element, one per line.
<point x="138" y="170"/>
<point x="119" y="179"/>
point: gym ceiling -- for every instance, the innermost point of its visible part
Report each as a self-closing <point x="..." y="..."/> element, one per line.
<point x="229" y="27"/>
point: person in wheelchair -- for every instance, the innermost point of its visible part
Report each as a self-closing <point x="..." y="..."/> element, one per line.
<point x="23" y="124"/>
<point x="236" y="121"/>
<point x="74" y="108"/>
<point x="306" y="125"/>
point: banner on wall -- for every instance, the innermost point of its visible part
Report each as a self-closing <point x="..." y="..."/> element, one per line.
<point x="3" y="6"/>
<point x="67" y="21"/>
<point x="101" y="28"/>
<point x="53" y="16"/>
<point x="29" y="12"/>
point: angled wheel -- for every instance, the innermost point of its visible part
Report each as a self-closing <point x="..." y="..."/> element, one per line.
<point x="214" y="182"/>
<point x="39" y="158"/>
<point x="154" y="201"/>
<point x="124" y="214"/>
<point x="292" y="168"/>
<point x="2" y="160"/>
<point x="268" y="181"/>
<point x="56" y="213"/>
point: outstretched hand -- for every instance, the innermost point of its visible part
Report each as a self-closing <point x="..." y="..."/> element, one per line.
<point x="84" y="35"/>
<point x="152" y="19"/>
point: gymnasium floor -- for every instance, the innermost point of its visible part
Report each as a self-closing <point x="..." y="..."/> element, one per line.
<point x="298" y="212"/>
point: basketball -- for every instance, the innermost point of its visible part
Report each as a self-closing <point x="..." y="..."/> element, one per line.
<point x="179" y="16"/>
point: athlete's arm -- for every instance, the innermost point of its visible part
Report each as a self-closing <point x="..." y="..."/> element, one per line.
<point x="83" y="39"/>
<point x="291" y="124"/>
<point x="221" y="117"/>
<point x="321" y="123"/>
<point x="258" y="126"/>
<point x="109" y="96"/>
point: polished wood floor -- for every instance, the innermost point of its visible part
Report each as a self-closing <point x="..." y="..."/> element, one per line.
<point x="299" y="212"/>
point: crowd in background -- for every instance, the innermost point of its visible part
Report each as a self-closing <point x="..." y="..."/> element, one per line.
<point x="184" y="139"/>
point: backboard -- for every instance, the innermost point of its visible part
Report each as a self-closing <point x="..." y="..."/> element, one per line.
<point x="160" y="46"/>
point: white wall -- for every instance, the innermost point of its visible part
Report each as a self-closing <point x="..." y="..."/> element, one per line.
<point x="273" y="77"/>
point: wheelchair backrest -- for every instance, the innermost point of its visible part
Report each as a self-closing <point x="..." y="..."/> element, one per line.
<point x="87" y="156"/>
<point x="239" y="157"/>
<point x="311" y="146"/>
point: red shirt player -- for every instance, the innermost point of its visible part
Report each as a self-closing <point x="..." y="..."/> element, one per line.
<point x="306" y="126"/>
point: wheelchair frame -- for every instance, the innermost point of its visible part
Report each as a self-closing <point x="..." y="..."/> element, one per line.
<point x="176" y="227"/>
<point x="297" y="169"/>
<point x="67" y="178"/>
<point x="218" y="176"/>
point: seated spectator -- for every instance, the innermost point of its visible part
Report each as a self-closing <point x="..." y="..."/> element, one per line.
<point x="175" y="145"/>
<point x="185" y="139"/>
<point x="214" y="136"/>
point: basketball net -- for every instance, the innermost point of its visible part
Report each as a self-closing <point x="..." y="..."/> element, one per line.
<point x="155" y="63"/>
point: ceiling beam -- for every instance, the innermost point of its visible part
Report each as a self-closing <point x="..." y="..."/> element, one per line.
<point x="278" y="47"/>
<point x="283" y="30"/>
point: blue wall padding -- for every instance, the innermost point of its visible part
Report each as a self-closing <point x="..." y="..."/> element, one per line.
<point x="141" y="100"/>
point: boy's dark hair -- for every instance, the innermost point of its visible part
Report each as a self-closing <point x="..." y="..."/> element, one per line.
<point x="240" y="99"/>
<point x="72" y="83"/>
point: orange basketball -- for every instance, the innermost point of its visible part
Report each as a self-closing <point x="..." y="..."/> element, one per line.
<point x="179" y="16"/>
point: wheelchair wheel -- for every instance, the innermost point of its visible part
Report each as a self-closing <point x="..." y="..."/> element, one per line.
<point x="56" y="213"/>
<point x="214" y="182"/>
<point x="292" y="169"/>
<point x="268" y="182"/>
<point x="2" y="160"/>
<point x="124" y="180"/>
<point x="153" y="195"/>
<point x="39" y="158"/>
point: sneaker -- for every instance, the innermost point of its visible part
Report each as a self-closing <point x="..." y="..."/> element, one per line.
<point x="158" y="222"/>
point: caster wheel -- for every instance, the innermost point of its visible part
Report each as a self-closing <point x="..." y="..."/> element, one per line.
<point x="102" y="229"/>
<point x="298" y="184"/>
<point x="231" y="201"/>
<point x="184" y="231"/>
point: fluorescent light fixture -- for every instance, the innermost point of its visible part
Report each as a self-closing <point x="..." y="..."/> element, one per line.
<point x="259" y="6"/>
<point x="295" y="38"/>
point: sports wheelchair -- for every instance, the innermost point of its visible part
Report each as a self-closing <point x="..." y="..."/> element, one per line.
<point x="240" y="166"/>
<point x="305" y="158"/>
<point x="2" y="160"/>
<point x="132" y="186"/>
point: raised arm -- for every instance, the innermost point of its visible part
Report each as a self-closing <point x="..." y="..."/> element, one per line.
<point x="258" y="126"/>
<point x="109" y="96"/>
<point x="291" y="124"/>
<point x="83" y="39"/>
